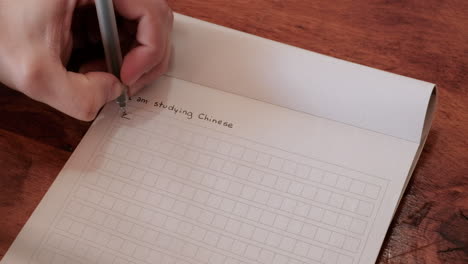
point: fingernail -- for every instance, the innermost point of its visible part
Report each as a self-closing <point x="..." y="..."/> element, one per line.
<point x="117" y="90"/>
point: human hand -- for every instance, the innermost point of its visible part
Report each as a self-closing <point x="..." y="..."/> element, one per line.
<point x="38" y="38"/>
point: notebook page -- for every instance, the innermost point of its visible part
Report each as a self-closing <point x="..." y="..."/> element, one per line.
<point x="167" y="184"/>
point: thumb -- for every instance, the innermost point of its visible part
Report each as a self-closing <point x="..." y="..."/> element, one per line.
<point x="78" y="95"/>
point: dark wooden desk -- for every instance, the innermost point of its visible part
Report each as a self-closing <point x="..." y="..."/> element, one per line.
<point x="426" y="40"/>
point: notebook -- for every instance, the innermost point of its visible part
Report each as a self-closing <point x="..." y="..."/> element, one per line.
<point x="247" y="151"/>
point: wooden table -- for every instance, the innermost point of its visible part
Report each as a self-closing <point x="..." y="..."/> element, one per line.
<point x="427" y="40"/>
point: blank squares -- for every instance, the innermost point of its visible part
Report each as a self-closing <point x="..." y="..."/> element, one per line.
<point x="302" y="209"/>
<point x="252" y="252"/>
<point x="120" y="206"/>
<point x="267" y="218"/>
<point x="280" y="259"/>
<point x="281" y="222"/>
<point x="158" y="219"/>
<point x="102" y="238"/>
<point x="204" y="160"/>
<point x="224" y="148"/>
<point x="154" y="257"/>
<point x="315" y="252"/>
<point x="211" y="144"/>
<point x="133" y="155"/>
<point x="209" y="180"/>
<point x="330" y="179"/>
<point x="256" y="176"/>
<point x="201" y="196"/>
<point x="358" y="226"/>
<point x="214" y="201"/>
<point x="111" y="222"/>
<point x="179" y="208"/>
<point x="157" y="163"/>
<point x="90" y="233"/>
<point x="191" y="156"/>
<point x="137" y="175"/>
<point x="196" y="176"/>
<point x="238" y="248"/>
<point x="164" y="241"/>
<point x="241" y="209"/>
<point x="343" y="221"/>
<point x="188" y="250"/>
<point x="64" y="224"/>
<point x="263" y="159"/>
<point x="217" y="164"/>
<point x="295" y="227"/>
<point x="309" y="192"/>
<point x="67" y="244"/>
<point x="233" y="226"/>
<point x="112" y="166"/>
<point x="182" y="171"/>
<point x="220" y="221"/>
<point x="145" y="160"/>
<point x="98" y="217"/>
<point x="141" y="195"/>
<point x="185" y="228"/>
<point x="276" y="163"/>
<point x="221" y="184"/>
<point x="248" y="193"/>
<point x="343" y="183"/>
<point x="141" y="253"/>
<point x="351" y="244"/>
<point x="174" y="187"/>
<point x="154" y="199"/>
<point x="295" y="188"/>
<point x="282" y="184"/>
<point x="289" y="167"/>
<point x="115" y="243"/>
<point x="316" y="213"/>
<point x="250" y="155"/>
<point x="301" y="249"/>
<point x="302" y="171"/>
<point x="330" y="218"/>
<point x="178" y="152"/>
<point x="82" y="193"/>
<point x="170" y="167"/>
<point x="266" y="257"/>
<point x="86" y="212"/>
<point x="149" y="179"/>
<point x="167" y="203"/>
<point x="261" y="197"/>
<point x="166" y="147"/>
<point x="322" y="235"/>
<point x="225" y="243"/>
<point x="76" y="228"/>
<point x="246" y="230"/>
<point x="124" y="227"/>
<point x="137" y="231"/>
<point x="275" y="201"/>
<point x="371" y="191"/>
<point x="162" y="183"/>
<point x="109" y="147"/>
<point x="103" y="182"/>
<point x="193" y="212"/>
<point x="242" y="172"/>
<point x="128" y="190"/>
<point x="227" y="205"/>
<point x="211" y="238"/>
<point x="269" y="180"/>
<point x="215" y="259"/>
<point x="342" y="259"/>
<point x="330" y="257"/>
<point x="287" y="244"/>
<point x="322" y="196"/>
<point x="336" y="240"/>
<point x="235" y="188"/>
<point x="188" y="192"/>
<point x="206" y="217"/>
<point x="309" y="231"/>
<point x="336" y="200"/>
<point x="128" y="248"/>
<point x="357" y="187"/>
<point x="288" y="205"/>
<point x="350" y="204"/>
<point x="94" y="197"/>
<point x="260" y="235"/>
<point x="145" y="215"/>
<point x="315" y="175"/>
<point x="237" y="151"/>
<point x="254" y="213"/>
<point x="54" y="240"/>
<point x="229" y="168"/>
<point x="365" y="208"/>
<point x="116" y="186"/>
<point x="199" y="140"/>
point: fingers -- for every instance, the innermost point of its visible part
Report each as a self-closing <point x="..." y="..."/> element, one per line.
<point x="153" y="74"/>
<point x="154" y="26"/>
<point x="78" y="95"/>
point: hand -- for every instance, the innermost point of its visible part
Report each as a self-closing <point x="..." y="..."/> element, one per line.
<point x="38" y="38"/>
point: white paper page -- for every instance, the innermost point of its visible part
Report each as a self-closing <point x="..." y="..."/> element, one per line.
<point x="298" y="79"/>
<point x="165" y="187"/>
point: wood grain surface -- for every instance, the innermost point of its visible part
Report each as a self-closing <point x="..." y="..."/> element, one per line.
<point x="424" y="39"/>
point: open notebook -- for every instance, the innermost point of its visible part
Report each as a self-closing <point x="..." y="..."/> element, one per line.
<point x="247" y="151"/>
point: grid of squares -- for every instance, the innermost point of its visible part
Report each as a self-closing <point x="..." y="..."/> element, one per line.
<point x="254" y="157"/>
<point x="291" y="204"/>
<point x="226" y="205"/>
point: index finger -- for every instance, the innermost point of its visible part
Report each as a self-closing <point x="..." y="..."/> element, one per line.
<point x="154" y="25"/>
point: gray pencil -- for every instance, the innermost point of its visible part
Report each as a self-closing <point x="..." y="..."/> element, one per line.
<point x="111" y="42"/>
